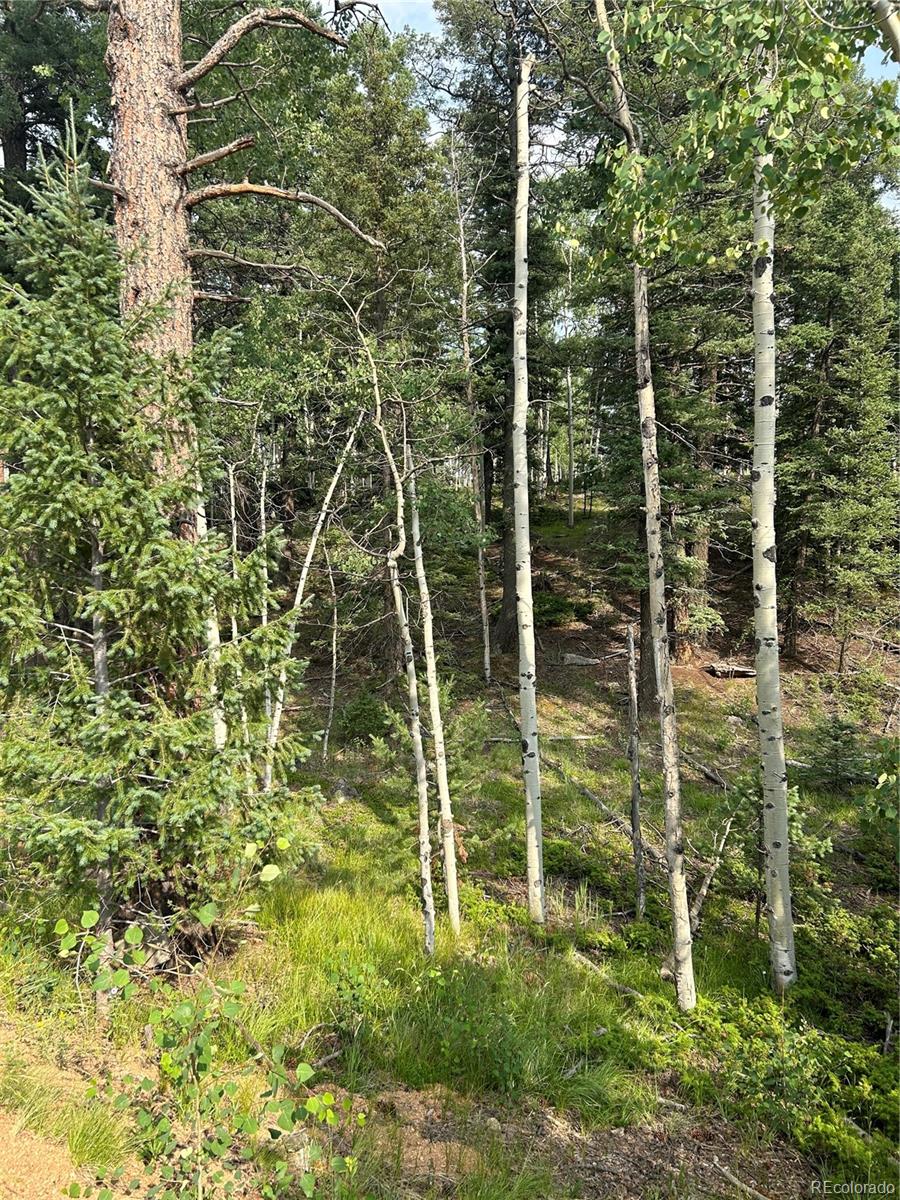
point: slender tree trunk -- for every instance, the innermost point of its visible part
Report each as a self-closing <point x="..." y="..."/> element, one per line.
<point x="634" y="745"/>
<point x="478" y="452"/>
<point x="415" y="730"/>
<point x="278" y="707"/>
<point x="647" y="680"/>
<point x="570" y="415"/>
<point x="487" y="476"/>
<point x="100" y="655"/>
<point x="683" y="967"/>
<point x="395" y="553"/>
<point x="482" y="576"/>
<point x="448" y="833"/>
<point x="765" y="609"/>
<point x="213" y="653"/>
<point x="681" y="924"/>
<point x="531" y="764"/>
<point x="505" y="629"/>
<point x="570" y="426"/>
<point x="264" y="594"/>
<point x="232" y="512"/>
<point x="332" y="689"/>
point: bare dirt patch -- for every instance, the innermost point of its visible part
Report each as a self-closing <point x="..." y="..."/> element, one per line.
<point x="31" y="1167"/>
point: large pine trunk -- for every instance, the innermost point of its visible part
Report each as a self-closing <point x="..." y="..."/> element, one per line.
<point x="149" y="142"/>
<point x="528" y="716"/>
<point x="765" y="606"/>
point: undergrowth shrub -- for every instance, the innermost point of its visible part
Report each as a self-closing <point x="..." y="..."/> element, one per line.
<point x="797" y="1080"/>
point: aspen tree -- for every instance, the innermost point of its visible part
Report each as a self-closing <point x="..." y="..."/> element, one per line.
<point x="683" y="967"/>
<point x="448" y="833"/>
<point x="528" y="723"/>
<point x="274" y="728"/>
<point x="477" y="447"/>
<point x="401" y="610"/>
<point x="765" y="593"/>
<point x="634" y="762"/>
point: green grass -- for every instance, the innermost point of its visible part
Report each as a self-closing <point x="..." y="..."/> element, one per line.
<point x="506" y="1017"/>
<point x="95" y="1136"/>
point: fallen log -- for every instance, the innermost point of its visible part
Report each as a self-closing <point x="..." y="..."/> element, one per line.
<point x="709" y="773"/>
<point x="725" y="670"/>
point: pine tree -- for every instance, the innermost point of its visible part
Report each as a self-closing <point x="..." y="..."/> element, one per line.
<point x="109" y="777"/>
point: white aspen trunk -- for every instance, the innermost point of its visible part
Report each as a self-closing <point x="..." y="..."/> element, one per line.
<point x="634" y="760"/>
<point x="888" y="22"/>
<point x="570" y="425"/>
<point x="278" y="707"/>
<point x="531" y="765"/>
<point x="482" y="569"/>
<point x="682" y="958"/>
<point x="264" y="598"/>
<point x="213" y="644"/>
<point x="334" y="656"/>
<point x="765" y="596"/>
<point x="409" y="660"/>
<point x="100" y="656"/>
<point x="232" y="512"/>
<point x="570" y="416"/>
<point x="477" y="448"/>
<point x="448" y="835"/>
<point x="681" y="925"/>
<point x="415" y="729"/>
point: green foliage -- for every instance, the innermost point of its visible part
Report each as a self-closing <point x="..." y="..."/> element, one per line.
<point x="199" y="1125"/>
<point x="818" y="1088"/>
<point x="552" y="610"/>
<point x="362" y="718"/>
<point x="110" y="780"/>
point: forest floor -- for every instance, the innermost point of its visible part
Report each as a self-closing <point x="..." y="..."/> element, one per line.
<point x="523" y="1063"/>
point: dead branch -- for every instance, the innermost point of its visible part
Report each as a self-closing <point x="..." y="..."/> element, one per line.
<point x="221" y="298"/>
<point x="610" y="983"/>
<point x="259" y="17"/>
<point x="218" y="191"/>
<point x="109" y="187"/>
<point x="623" y="826"/>
<point x="707" y="772"/>
<point x="225" y="256"/>
<point x="211" y="156"/>
<point x="703" y="890"/>
<point x="739" y="1184"/>
<point x="189" y="108"/>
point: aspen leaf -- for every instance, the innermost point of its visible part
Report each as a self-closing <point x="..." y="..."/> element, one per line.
<point x="269" y="872"/>
<point x="207" y="914"/>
